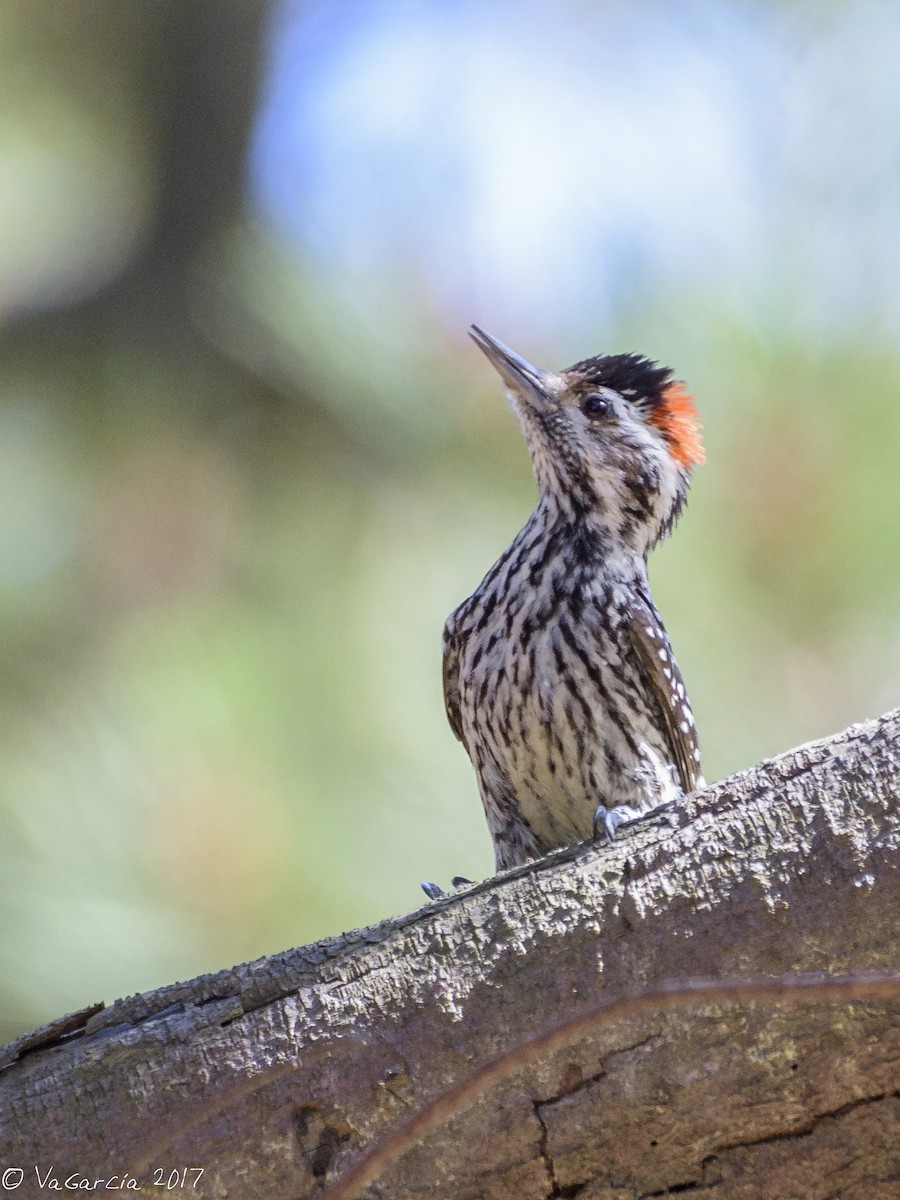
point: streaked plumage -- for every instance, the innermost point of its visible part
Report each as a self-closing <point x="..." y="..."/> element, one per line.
<point x="559" y="678"/>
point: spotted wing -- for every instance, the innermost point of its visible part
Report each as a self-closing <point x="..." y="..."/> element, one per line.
<point x="451" y="680"/>
<point x="654" y="653"/>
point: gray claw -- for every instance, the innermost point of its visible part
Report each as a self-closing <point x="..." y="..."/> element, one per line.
<point x="608" y="820"/>
<point x="459" y="881"/>
<point x="432" y="891"/>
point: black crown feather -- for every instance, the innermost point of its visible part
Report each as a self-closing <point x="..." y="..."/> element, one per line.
<point x="637" y="378"/>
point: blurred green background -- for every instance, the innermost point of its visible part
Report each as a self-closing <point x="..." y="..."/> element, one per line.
<point x="250" y="460"/>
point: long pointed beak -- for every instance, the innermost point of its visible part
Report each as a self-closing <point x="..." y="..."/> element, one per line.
<point x="523" y="380"/>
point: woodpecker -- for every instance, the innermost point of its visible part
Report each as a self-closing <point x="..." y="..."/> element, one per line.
<point x="559" y="678"/>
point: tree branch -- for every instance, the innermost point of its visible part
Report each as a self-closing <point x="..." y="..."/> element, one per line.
<point x="629" y="1075"/>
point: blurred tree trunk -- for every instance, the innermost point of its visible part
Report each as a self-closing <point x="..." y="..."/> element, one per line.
<point x="276" y="1076"/>
<point x="192" y="73"/>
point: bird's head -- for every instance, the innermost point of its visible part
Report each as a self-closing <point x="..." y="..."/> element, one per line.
<point x="613" y="439"/>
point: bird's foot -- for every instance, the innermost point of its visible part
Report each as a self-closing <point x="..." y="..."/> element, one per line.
<point x="433" y="892"/>
<point x="608" y="820"/>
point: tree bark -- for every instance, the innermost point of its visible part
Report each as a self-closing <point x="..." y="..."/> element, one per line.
<point x="275" y="1077"/>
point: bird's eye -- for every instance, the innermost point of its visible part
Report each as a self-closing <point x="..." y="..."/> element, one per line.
<point x="595" y="405"/>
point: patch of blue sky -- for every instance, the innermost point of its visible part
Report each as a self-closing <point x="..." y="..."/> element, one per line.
<point x="541" y="161"/>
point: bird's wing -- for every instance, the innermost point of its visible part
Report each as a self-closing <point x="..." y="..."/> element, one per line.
<point x="654" y="653"/>
<point x="451" y="680"/>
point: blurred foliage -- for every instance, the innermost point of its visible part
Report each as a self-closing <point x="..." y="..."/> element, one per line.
<point x="243" y="480"/>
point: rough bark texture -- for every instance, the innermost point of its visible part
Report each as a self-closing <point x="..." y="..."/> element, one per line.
<point x="275" y="1076"/>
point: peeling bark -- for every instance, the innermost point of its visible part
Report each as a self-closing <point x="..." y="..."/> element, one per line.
<point x="276" y="1076"/>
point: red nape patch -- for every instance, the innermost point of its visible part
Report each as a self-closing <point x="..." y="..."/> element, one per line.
<point x="676" y="417"/>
